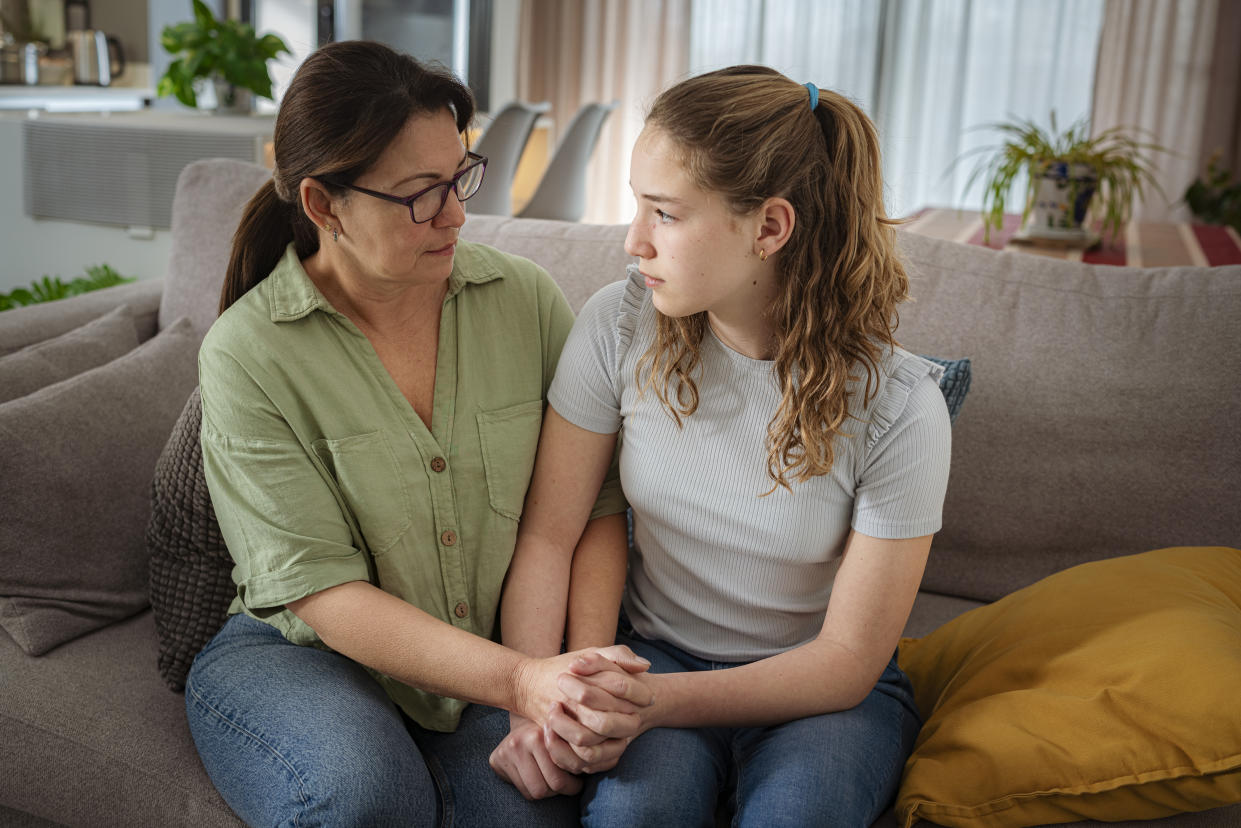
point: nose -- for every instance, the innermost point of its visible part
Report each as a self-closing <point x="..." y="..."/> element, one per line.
<point x="636" y="243"/>
<point x="453" y="214"/>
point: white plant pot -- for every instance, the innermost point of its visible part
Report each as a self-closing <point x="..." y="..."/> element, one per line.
<point x="1062" y="196"/>
<point x="230" y="99"/>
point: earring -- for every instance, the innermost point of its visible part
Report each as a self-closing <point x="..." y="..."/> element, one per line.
<point x="335" y="235"/>
<point x="762" y="255"/>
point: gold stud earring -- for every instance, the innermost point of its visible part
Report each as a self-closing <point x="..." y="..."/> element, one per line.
<point x="762" y="255"/>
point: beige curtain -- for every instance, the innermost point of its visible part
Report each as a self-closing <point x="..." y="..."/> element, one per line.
<point x="574" y="52"/>
<point x="1171" y="67"/>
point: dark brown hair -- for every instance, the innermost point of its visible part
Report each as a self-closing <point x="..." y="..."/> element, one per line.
<point x="345" y="105"/>
<point x="748" y="133"/>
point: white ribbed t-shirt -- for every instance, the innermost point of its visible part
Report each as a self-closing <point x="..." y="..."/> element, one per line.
<point x="719" y="570"/>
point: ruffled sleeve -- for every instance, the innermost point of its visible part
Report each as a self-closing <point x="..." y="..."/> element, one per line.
<point x="586" y="390"/>
<point x="902" y="473"/>
<point x="893" y="397"/>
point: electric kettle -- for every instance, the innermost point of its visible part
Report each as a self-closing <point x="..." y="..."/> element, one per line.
<point x="97" y="57"/>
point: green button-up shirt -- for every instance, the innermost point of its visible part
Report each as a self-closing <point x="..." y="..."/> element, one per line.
<point x="321" y="472"/>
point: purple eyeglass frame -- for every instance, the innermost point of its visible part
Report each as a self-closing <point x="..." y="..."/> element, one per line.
<point x="475" y="160"/>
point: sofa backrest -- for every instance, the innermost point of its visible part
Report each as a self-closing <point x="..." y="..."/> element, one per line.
<point x="206" y="210"/>
<point x="212" y="193"/>
<point x="1103" y="414"/>
<point x="1102" y="418"/>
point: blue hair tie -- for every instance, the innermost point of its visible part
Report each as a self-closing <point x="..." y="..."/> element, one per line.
<point x="814" y="95"/>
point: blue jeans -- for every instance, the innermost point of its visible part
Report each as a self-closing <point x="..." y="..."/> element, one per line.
<point x="839" y="769"/>
<point x="298" y="736"/>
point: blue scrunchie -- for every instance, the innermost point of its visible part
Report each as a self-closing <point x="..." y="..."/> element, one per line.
<point x="814" y="95"/>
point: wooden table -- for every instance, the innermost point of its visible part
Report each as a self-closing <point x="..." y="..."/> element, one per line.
<point x="1140" y="244"/>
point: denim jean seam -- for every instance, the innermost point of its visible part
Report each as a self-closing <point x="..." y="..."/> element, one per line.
<point x="301" y="786"/>
<point x="442" y="787"/>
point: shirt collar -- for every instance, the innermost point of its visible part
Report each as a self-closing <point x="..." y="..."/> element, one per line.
<point x="293" y="295"/>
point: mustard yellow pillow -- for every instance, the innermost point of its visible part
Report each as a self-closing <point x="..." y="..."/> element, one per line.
<point x="1108" y="691"/>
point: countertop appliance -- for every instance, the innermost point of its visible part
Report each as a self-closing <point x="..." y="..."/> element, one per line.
<point x="97" y="57"/>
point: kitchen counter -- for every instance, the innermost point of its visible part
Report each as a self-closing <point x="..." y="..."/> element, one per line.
<point x="133" y="90"/>
<point x="76" y="98"/>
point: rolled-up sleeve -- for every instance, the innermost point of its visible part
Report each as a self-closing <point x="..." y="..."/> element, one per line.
<point x="278" y="512"/>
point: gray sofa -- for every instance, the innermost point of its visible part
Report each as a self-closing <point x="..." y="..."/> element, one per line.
<point x="1102" y="421"/>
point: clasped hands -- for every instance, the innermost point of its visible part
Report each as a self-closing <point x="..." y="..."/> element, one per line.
<point x="575" y="713"/>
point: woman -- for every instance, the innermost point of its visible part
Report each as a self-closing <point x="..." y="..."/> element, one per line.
<point x="786" y="463"/>
<point x="372" y="395"/>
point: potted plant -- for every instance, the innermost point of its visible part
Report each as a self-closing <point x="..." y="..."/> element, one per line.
<point x="1071" y="175"/>
<point x="1216" y="199"/>
<point x="227" y="52"/>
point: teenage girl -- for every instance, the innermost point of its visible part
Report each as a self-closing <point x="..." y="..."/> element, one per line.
<point x="786" y="464"/>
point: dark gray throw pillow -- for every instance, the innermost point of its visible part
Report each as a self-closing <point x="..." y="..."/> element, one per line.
<point x="190" y="568"/>
<point x="46" y="363"/>
<point x="954" y="384"/>
<point x="75" y="492"/>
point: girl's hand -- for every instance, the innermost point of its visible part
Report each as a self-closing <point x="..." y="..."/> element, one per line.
<point x="578" y="749"/>
<point x="592" y="688"/>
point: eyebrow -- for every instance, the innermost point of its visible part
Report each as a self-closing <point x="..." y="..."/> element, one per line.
<point x="432" y="176"/>
<point x="659" y="198"/>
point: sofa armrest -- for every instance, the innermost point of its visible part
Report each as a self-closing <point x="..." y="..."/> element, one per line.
<point x="24" y="326"/>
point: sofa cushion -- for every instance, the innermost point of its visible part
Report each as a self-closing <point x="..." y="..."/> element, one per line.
<point x="206" y="209"/>
<point x="31" y="324"/>
<point x="190" y="567"/>
<point x="1103" y="414"/>
<point x="101" y="741"/>
<point x="1106" y="691"/>
<point x="37" y="366"/>
<point x="955" y="383"/>
<point x="75" y="495"/>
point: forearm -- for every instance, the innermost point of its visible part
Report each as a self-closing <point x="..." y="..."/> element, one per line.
<point x="818" y="677"/>
<point x="387" y="634"/>
<point x="596" y="583"/>
<point x="533" y="606"/>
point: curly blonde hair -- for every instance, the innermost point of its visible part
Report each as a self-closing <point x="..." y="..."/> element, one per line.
<point x="748" y="133"/>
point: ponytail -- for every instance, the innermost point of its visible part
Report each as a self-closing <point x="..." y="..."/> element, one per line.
<point x="266" y="228"/>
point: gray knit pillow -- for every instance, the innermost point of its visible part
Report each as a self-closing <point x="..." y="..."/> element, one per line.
<point x="190" y="569"/>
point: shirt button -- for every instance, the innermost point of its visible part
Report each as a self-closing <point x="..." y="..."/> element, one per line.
<point x="438" y="464"/>
<point x="461" y="610"/>
<point x="448" y="537"/>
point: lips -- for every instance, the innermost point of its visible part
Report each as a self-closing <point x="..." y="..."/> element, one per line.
<point x="446" y="250"/>
<point x="651" y="281"/>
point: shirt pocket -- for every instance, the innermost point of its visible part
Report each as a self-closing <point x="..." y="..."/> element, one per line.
<point x="510" y="439"/>
<point x="371" y="484"/>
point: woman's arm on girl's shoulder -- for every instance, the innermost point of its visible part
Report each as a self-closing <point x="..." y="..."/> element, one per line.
<point x="872" y="597"/>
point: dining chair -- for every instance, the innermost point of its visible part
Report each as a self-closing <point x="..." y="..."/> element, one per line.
<point x="502" y="142"/>
<point x="561" y="193"/>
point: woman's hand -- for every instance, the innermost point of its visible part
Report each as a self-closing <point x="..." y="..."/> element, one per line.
<point x="613" y="690"/>
<point x="525" y="760"/>
<point x="540" y="763"/>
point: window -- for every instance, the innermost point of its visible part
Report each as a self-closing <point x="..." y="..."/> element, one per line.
<point x="928" y="72"/>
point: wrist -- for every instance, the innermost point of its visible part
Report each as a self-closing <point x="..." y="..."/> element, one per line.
<point x="661" y="709"/>
<point x="520" y="691"/>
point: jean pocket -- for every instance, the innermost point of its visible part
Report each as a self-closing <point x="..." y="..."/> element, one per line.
<point x="510" y="440"/>
<point x="370" y="482"/>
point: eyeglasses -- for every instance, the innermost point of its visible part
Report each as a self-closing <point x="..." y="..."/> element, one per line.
<point x="425" y="205"/>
